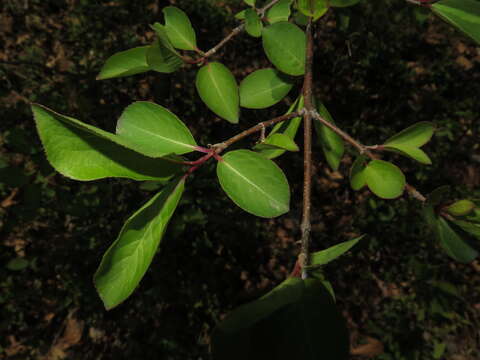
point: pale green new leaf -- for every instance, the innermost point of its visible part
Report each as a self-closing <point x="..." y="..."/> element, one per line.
<point x="288" y="128"/>
<point x="240" y="15"/>
<point x="249" y="2"/>
<point x="313" y="8"/>
<point x="179" y="29"/>
<point x="128" y="258"/>
<point x="153" y="130"/>
<point x="218" y="89"/>
<point x="461" y="207"/>
<point x="463" y="14"/>
<point x="253" y="24"/>
<point x="296" y="320"/>
<point x="357" y="173"/>
<point x="416" y="135"/>
<point x="332" y="144"/>
<point x="454" y="246"/>
<point x="125" y="63"/>
<point x="254" y="183"/>
<point x="325" y="256"/>
<point x="384" y="179"/>
<point x="279" y="12"/>
<point x="263" y="88"/>
<point x="84" y="152"/>
<point x="284" y="44"/>
<point x="277" y="141"/>
<point x="343" y="3"/>
<point x="161" y="56"/>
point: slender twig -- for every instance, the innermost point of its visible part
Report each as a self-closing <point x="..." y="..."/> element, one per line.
<point x="307" y="154"/>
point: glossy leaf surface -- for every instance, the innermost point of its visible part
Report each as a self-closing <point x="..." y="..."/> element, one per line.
<point x="179" y="29"/>
<point x="253" y="25"/>
<point x="416" y="135"/>
<point x="313" y="8"/>
<point x="218" y="89"/>
<point x="325" y="256"/>
<point x="454" y="246"/>
<point x="84" y="152"/>
<point x="161" y="56"/>
<point x="279" y="12"/>
<point x="254" y="183"/>
<point x="125" y="63"/>
<point x="284" y="44"/>
<point x="263" y="88"/>
<point x="288" y="128"/>
<point x="332" y="144"/>
<point x="384" y="179"/>
<point x="278" y="141"/>
<point x="463" y="14"/>
<point x="128" y="258"/>
<point x="153" y="130"/>
<point x="296" y="320"/>
<point x="357" y="173"/>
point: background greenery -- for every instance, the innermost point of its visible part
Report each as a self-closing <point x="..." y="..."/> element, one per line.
<point x="380" y="67"/>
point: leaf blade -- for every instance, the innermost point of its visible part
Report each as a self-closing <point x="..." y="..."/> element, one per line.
<point x="325" y="256"/>
<point x="125" y="63"/>
<point x="384" y="179"/>
<point x="179" y="29"/>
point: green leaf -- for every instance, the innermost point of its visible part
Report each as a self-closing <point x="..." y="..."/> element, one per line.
<point x="453" y="245"/>
<point x="461" y="208"/>
<point x="84" y="152"/>
<point x="325" y="256"/>
<point x="277" y="141"/>
<point x="437" y="195"/>
<point x="469" y="227"/>
<point x="332" y="144"/>
<point x="249" y="2"/>
<point x="154" y="131"/>
<point x="128" y="258"/>
<point x="284" y="44"/>
<point x="253" y="24"/>
<point x="296" y="320"/>
<point x="313" y="8"/>
<point x="263" y="88"/>
<point x="384" y="179"/>
<point x="463" y="14"/>
<point x="240" y="15"/>
<point x="254" y="183"/>
<point x="343" y="3"/>
<point x="17" y="264"/>
<point x="288" y="128"/>
<point x="179" y="29"/>
<point x="161" y="56"/>
<point x="416" y="135"/>
<point x="411" y="152"/>
<point x="218" y="89"/>
<point x="279" y="12"/>
<point x="357" y="173"/>
<point x="125" y="63"/>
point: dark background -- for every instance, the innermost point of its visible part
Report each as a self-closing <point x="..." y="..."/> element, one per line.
<point x="391" y="66"/>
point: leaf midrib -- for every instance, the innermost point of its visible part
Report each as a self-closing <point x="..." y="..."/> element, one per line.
<point x="287" y="51"/>
<point x="215" y="84"/>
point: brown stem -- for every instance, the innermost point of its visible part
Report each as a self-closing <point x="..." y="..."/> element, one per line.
<point x="307" y="152"/>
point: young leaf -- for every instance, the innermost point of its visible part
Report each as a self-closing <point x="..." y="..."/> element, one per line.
<point x="179" y="29"/>
<point x="84" y="152"/>
<point x="284" y="44"/>
<point x="128" y="258"/>
<point x="411" y="152"/>
<point x="325" y="256"/>
<point x="461" y="208"/>
<point x="278" y="141"/>
<point x="125" y="63"/>
<point x="296" y="320"/>
<point x="343" y="3"/>
<point x="332" y="143"/>
<point x="288" y="128"/>
<point x="218" y="89"/>
<point x="254" y="183"/>
<point x="161" y="56"/>
<point x="240" y="15"/>
<point x="313" y="8"/>
<point x="249" y="2"/>
<point x="357" y="173"/>
<point x="384" y="179"/>
<point x="416" y="135"/>
<point x="454" y="246"/>
<point x="279" y="12"/>
<point x="463" y="14"/>
<point x="253" y="24"/>
<point x="153" y="130"/>
<point x="263" y="88"/>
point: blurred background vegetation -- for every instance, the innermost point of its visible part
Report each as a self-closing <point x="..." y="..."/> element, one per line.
<point x="380" y="67"/>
